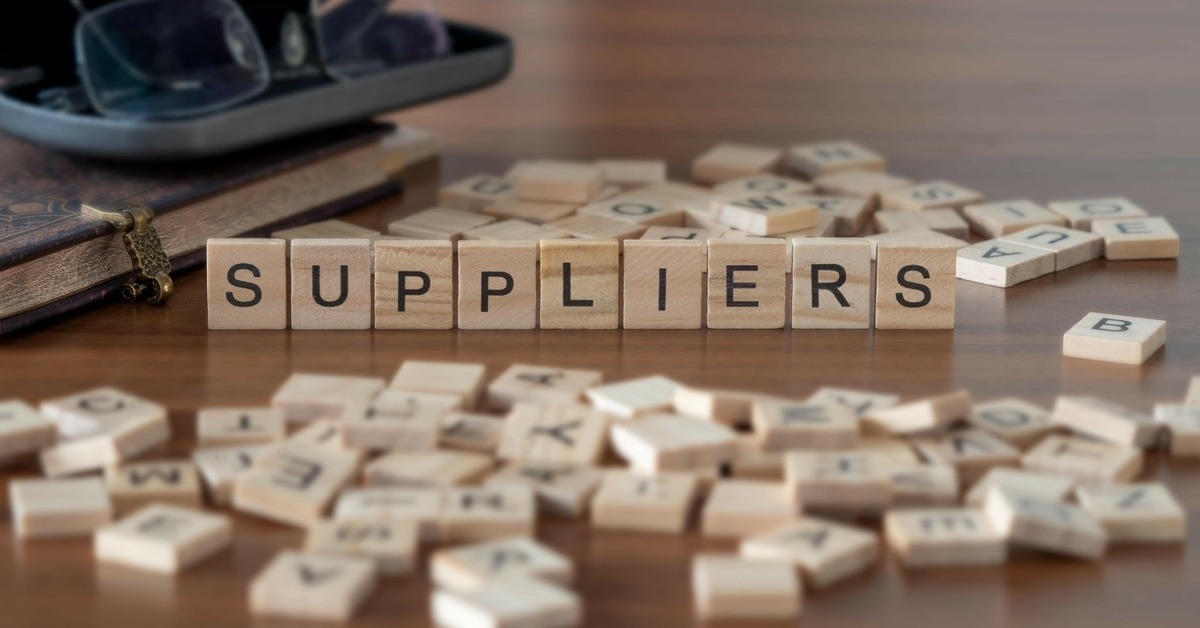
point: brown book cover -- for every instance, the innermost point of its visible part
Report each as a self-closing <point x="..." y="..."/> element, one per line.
<point x="54" y="258"/>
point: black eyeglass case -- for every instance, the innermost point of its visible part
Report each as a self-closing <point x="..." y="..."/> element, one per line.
<point x="479" y="57"/>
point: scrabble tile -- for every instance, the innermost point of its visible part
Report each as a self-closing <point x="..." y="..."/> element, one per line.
<point x="547" y="384"/>
<point x="463" y="380"/>
<point x="323" y="433"/>
<point x="663" y="284"/>
<point x="860" y="401"/>
<point x="728" y="407"/>
<point x="765" y="214"/>
<point x="1104" y="420"/>
<point x="914" y="286"/>
<point x="513" y="231"/>
<point x="765" y="184"/>
<point x="467" y="431"/>
<point x="696" y="234"/>
<point x="389" y="543"/>
<point x="783" y="425"/>
<point x="507" y="603"/>
<point x="419" y="506"/>
<point x="943" y="537"/>
<point x="1136" y="513"/>
<point x="58" y="508"/>
<point x="226" y="427"/>
<point x="1080" y="214"/>
<point x="734" y="588"/>
<point x="438" y="223"/>
<point x="639" y="211"/>
<point x="135" y="484"/>
<point x="530" y="212"/>
<point x="247" y="283"/>
<point x="1193" y="391"/>
<point x="971" y="452"/>
<point x="140" y="430"/>
<point x="219" y="467"/>
<point x="690" y="198"/>
<point x="930" y="413"/>
<point x="479" y="513"/>
<point x="632" y="172"/>
<point x="1017" y="421"/>
<point x="1002" y="264"/>
<point x="1137" y="238"/>
<point x="565" y="432"/>
<point x="739" y="508"/>
<point x="944" y="221"/>
<point x="1115" y="338"/>
<point x="293" y="483"/>
<point x="850" y="213"/>
<point x="747" y="284"/>
<point x="299" y="585"/>
<point x="825" y="552"/>
<point x="725" y="162"/>
<point x="648" y="503"/>
<point x="307" y="397"/>
<point x="1085" y="460"/>
<point x="163" y="538"/>
<point x="667" y="442"/>
<point x="23" y="431"/>
<point x="861" y="184"/>
<point x="634" y="397"/>
<point x="414" y="284"/>
<point x="396" y="420"/>
<point x="324" y="229"/>
<point x="331" y="284"/>
<point x="831" y="283"/>
<point x="825" y="158"/>
<point x="931" y="195"/>
<point x="1049" y="526"/>
<point x="579" y="284"/>
<point x="912" y="236"/>
<point x="924" y="486"/>
<point x="1042" y="486"/>
<point x="1182" y="423"/>
<point x="840" y="481"/>
<point x="559" y="181"/>
<point x="899" y="453"/>
<point x="469" y="567"/>
<point x="998" y="219"/>
<point x="406" y="147"/>
<point x="427" y="468"/>
<point x="476" y="192"/>
<point x="1071" y="247"/>
<point x="91" y="412"/>
<point x="594" y="227"/>
<point x="561" y="489"/>
<point x="497" y="285"/>
<point x="752" y="462"/>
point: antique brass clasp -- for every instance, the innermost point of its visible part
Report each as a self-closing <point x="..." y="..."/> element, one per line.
<point x="145" y="252"/>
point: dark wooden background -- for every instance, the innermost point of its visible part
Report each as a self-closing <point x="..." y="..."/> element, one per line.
<point x="1044" y="99"/>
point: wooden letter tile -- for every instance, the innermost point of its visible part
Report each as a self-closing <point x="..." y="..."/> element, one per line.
<point x="306" y="397"/>
<point x="1085" y="460"/>
<point x="93" y="411"/>
<point x="106" y="427"/>
<point x="468" y="431"/>
<point x="414" y="284"/>
<point x="649" y="503"/>
<point x="725" y="162"/>
<point x="1017" y="421"/>
<point x="293" y="483"/>
<point x="163" y="538"/>
<point x="462" y="380"/>
<point x="1136" y="513"/>
<point x="734" y="588"/>
<point x="932" y="195"/>
<point x="568" y="432"/>
<point x="1115" y="338"/>
<point x="994" y="220"/>
<point x="1137" y="238"/>
<point x="671" y="442"/>
<point x="861" y="184"/>
<point x="508" y="603"/>
<point x="785" y="425"/>
<point x="331" y="284"/>
<point x="825" y="552"/>
<point x="420" y="507"/>
<point x="944" y="221"/>
<point x="247" y="283"/>
<point x="728" y="407"/>
<point x="1105" y="421"/>
<point x="310" y="587"/>
<point x="850" y="213"/>
<point x="664" y="284"/>
<point x="765" y="184"/>
<point x="940" y="537"/>
<point x="1053" y="488"/>
<point x="595" y="227"/>
<point x="136" y="484"/>
<point x="226" y="427"/>
<point x="765" y="214"/>
<point x="396" y="420"/>
<point x="469" y="567"/>
<point x="488" y="512"/>
<point x="641" y="211"/>
<point x="219" y="467"/>
<point x="390" y="543"/>
<point x="859" y="401"/>
<point x="831" y="283"/>
<point x="1070" y="247"/>
<point x="1002" y="264"/>
<point x="1182" y="423"/>
<point x="931" y="413"/>
<point x="437" y="223"/>
<point x="514" y="231"/>
<point x="633" y="172"/>
<point x="559" y="181"/>
<point x="323" y="229"/>
<point x="920" y="236"/>
<point x="427" y="468"/>
<point x="1080" y="214"/>
<point x="562" y="489"/>
<point x="970" y="452"/>
<point x="58" y="508"/>
<point x="1046" y="525"/>
<point x="497" y="285"/>
<point x="23" y="431"/>
<point x="476" y="192"/>
<point x="635" y="397"/>
<point x="739" y="508"/>
<point x="529" y="212"/>
<point x="914" y="286"/>
<point x="928" y="485"/>
<point x="580" y="284"/>
<point x="825" y="158"/>
<point x="847" y="481"/>
<point x="547" y="384"/>
<point x="747" y="284"/>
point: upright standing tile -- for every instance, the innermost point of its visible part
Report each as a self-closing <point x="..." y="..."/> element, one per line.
<point x="930" y="413"/>
<point x="847" y="481"/>
<point x="163" y="538"/>
<point x="468" y="431"/>
<point x="825" y="158"/>
<point x="390" y="543"/>
<point x="596" y="227"/>
<point x="997" y="219"/>
<point x="136" y="484"/>
<point x="478" y="513"/>
<point x="734" y="588"/>
<point x="940" y="537"/>
<point x="633" y="172"/>
<point x="667" y="442"/>
<point x="226" y="427"/>
<point x="1115" y="338"/>
<point x="463" y="380"/>
<point x="1015" y="420"/>
<point x="562" y="489"/>
<point x="469" y="567"/>
<point x="860" y="183"/>
<point x="914" y="286"/>
<point x="1070" y="247"/>
<point x="567" y="432"/>
<point x="649" y="503"/>
<point x="331" y="284"/>
<point x="1080" y="214"/>
<point x="1085" y="460"/>
<point x="247" y="283"/>
<point x="747" y="284"/>
<point x="438" y="223"/>
<point x="634" y="397"/>
<point x="785" y="425"/>
<point x="23" y="431"/>
<point x="497" y="285"/>
<point x="396" y="420"/>
<point x="641" y="211"/>
<point x="531" y="212"/>
<point x="931" y="195"/>
<point x="293" y="483"/>
<point x="526" y="382"/>
<point x="945" y="221"/>
<point x="426" y="468"/>
<point x="1042" y="486"/>
<point x="824" y="551"/>
<point x="831" y="283"/>
<point x="1002" y="264"/>
<point x="738" y="508"/>
<point x="58" y="508"/>
<point x="765" y="214"/>
<point x="920" y="236"/>
<point x="414" y="284"/>
<point x="508" y="603"/>
<point x="306" y="397"/>
<point x="1054" y="527"/>
<point x="663" y="284"/>
<point x="970" y="452"/>
<point x="1137" y="238"/>
<point x="419" y="506"/>
<point x="1182" y="423"/>
<point x="305" y="586"/>
<point x="580" y="284"/>
<point x="1104" y="420"/>
<point x="559" y="181"/>
<point x="725" y="162"/>
<point x="219" y="467"/>
<point x="1136" y="513"/>
<point x="476" y="192"/>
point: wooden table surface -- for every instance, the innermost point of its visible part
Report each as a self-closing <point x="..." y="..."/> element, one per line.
<point x="1045" y="99"/>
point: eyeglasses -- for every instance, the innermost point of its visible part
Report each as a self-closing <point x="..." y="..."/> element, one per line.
<point x="169" y="59"/>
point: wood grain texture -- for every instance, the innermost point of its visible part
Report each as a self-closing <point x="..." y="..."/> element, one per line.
<point x="1040" y="99"/>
